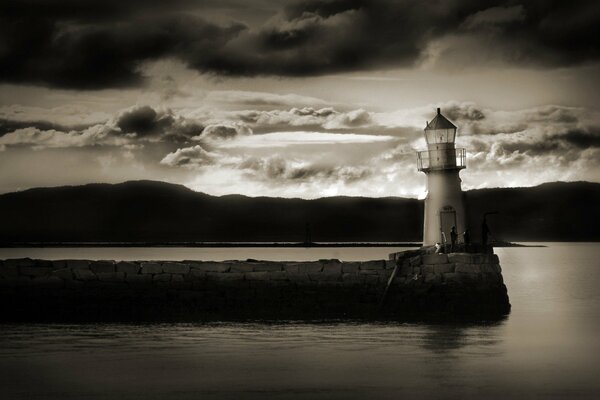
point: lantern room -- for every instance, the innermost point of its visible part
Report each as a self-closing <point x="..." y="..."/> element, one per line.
<point x="440" y="130"/>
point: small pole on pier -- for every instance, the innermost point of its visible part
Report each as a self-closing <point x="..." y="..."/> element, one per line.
<point x="387" y="287"/>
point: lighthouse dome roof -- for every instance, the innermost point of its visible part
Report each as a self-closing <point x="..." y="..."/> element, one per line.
<point x="439" y="122"/>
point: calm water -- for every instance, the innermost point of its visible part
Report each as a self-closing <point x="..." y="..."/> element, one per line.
<point x="547" y="348"/>
<point x="202" y="253"/>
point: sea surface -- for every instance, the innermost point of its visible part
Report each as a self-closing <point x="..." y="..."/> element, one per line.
<point x="547" y="348"/>
<point x="202" y="253"/>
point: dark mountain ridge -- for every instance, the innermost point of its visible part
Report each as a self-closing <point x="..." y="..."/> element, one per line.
<point x="150" y="211"/>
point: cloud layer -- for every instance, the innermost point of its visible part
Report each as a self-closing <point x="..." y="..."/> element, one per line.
<point x="312" y="152"/>
<point x="101" y="44"/>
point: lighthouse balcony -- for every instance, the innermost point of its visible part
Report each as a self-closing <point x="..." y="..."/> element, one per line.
<point x="433" y="160"/>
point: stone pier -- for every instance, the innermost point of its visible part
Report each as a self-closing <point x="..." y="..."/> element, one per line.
<point x="411" y="285"/>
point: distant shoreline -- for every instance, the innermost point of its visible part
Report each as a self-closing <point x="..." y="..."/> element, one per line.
<point x="232" y="244"/>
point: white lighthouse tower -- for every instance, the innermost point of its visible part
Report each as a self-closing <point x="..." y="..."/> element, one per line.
<point x="442" y="162"/>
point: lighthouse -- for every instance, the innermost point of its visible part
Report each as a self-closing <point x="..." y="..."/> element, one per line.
<point x="442" y="162"/>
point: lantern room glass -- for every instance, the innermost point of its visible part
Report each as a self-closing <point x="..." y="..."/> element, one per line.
<point x="435" y="136"/>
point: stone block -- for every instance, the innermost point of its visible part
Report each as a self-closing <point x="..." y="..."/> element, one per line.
<point x="17" y="281"/>
<point x="478" y="258"/>
<point x="77" y="264"/>
<point x="324" y="277"/>
<point x="310" y="267"/>
<point x="372" y="265"/>
<point x="84" y="275"/>
<point x="63" y="273"/>
<point x="497" y="268"/>
<point x="19" y="262"/>
<point x="415" y="261"/>
<point x="370" y="279"/>
<point x="491" y="277"/>
<point x="291" y="267"/>
<point x="59" y="264"/>
<point x="102" y="266"/>
<point x="257" y="276"/>
<point x="266" y="267"/>
<point x="138" y="279"/>
<point x="332" y="268"/>
<point x="399" y="280"/>
<point x="429" y="259"/>
<point x="451" y="277"/>
<point x="385" y="274"/>
<point x="460" y="258"/>
<point x="433" y="278"/>
<point x="226" y="277"/>
<point x="162" y="277"/>
<point x="390" y="264"/>
<point x="467" y="268"/>
<point x="211" y="266"/>
<point x="9" y="272"/>
<point x="151" y="268"/>
<point x="443" y="268"/>
<point x="331" y="284"/>
<point x="43" y="263"/>
<point x="196" y="274"/>
<point x="267" y="284"/>
<point x="350" y="267"/>
<point x="178" y="282"/>
<point x="73" y="284"/>
<point x="326" y="260"/>
<point x="240" y="267"/>
<point x="175" y="268"/>
<point x="352" y="278"/>
<point x="368" y="272"/>
<point x="111" y="276"/>
<point x="417" y="270"/>
<point x="428" y="269"/>
<point x="406" y="270"/>
<point x="487" y="268"/>
<point x="468" y="278"/>
<point x="298" y="276"/>
<point x="129" y="268"/>
<point x="278" y="276"/>
<point x="34" y="271"/>
<point x="48" y="282"/>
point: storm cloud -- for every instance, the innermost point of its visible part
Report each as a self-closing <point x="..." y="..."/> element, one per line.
<point x="95" y="45"/>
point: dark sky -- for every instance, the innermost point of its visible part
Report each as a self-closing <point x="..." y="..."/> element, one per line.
<point x="295" y="98"/>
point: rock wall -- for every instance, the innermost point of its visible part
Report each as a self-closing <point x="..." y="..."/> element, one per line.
<point x="411" y="285"/>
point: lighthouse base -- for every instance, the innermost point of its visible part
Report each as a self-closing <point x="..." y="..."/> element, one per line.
<point x="450" y="285"/>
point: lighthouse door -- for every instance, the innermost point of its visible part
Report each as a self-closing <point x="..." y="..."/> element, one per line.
<point x="447" y="221"/>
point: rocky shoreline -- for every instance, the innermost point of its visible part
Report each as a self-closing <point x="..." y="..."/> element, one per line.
<point x="410" y="285"/>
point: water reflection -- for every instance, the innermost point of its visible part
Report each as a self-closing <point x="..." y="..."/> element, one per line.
<point x="445" y="338"/>
<point x="546" y="348"/>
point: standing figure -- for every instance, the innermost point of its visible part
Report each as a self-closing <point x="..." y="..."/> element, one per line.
<point x="484" y="233"/>
<point x="453" y="237"/>
<point x="467" y="237"/>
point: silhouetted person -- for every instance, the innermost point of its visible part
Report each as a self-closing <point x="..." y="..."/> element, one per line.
<point x="485" y="231"/>
<point x="467" y="236"/>
<point x="453" y="237"/>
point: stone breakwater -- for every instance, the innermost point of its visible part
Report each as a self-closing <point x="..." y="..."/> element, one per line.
<point x="410" y="285"/>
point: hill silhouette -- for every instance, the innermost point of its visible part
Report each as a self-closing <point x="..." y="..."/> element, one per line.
<point x="149" y="211"/>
